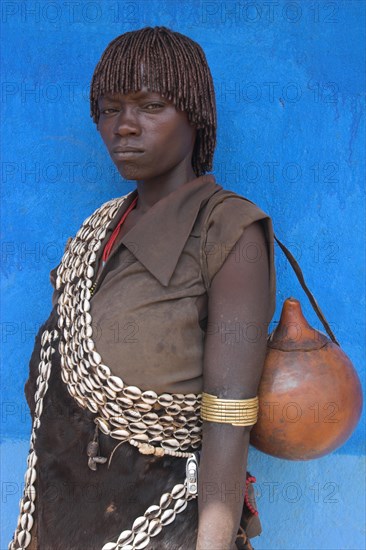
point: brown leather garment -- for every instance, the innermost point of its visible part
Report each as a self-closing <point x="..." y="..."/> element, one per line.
<point x="78" y="508"/>
<point x="149" y="308"/>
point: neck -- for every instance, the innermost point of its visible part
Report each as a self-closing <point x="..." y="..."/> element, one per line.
<point x="153" y="190"/>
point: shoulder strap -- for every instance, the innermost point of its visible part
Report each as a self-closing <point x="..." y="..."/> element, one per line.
<point x="294" y="264"/>
<point x="300" y="276"/>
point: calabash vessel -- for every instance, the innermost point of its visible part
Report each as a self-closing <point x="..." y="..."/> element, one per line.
<point x="310" y="397"/>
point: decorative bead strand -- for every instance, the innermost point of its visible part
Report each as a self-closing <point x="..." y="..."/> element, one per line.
<point x="249" y="479"/>
<point x="22" y="536"/>
<point x="155" y="517"/>
<point x="124" y="412"/>
<point x="146" y="449"/>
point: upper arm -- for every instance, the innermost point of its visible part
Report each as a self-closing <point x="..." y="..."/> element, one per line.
<point x="238" y="305"/>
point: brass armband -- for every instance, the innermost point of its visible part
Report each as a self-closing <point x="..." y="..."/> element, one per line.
<point x="238" y="412"/>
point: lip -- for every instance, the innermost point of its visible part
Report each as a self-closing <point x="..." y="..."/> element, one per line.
<point x="127" y="152"/>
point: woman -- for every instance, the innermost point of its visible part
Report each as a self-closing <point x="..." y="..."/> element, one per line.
<point x="162" y="294"/>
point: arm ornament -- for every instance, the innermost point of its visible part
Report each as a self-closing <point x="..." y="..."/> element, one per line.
<point x="238" y="412"/>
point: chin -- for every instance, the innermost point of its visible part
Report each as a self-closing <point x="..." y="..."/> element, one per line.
<point x="131" y="174"/>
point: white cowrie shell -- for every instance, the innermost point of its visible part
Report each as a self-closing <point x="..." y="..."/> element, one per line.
<point x="141" y="540"/>
<point x="125" y="402"/>
<point x="103" y="371"/>
<point x="149" y="397"/>
<point x="29" y="507"/>
<point x="125" y="537"/>
<point x="166" y="420"/>
<point x="39" y="408"/>
<point x="178" y="398"/>
<point x="88" y="384"/>
<point x="103" y="425"/>
<point x="32" y="459"/>
<point x="173" y="409"/>
<point x="193" y="421"/>
<point x="90" y="346"/>
<point x="118" y="421"/>
<point x="133" y="392"/>
<point x="142" y="407"/>
<point x="184" y="445"/>
<point x="170" y="444"/>
<point x="188" y="410"/>
<point x="155" y="430"/>
<point x="30" y="476"/>
<point x="95" y="358"/>
<point x="137" y="427"/>
<point x="152" y="512"/>
<point x="155" y="527"/>
<point x="196" y="430"/>
<point x="109" y="393"/>
<point x="99" y="397"/>
<point x="180" y="420"/>
<point x="26" y="521"/>
<point x="115" y="383"/>
<point x="92" y="406"/>
<point x="165" y="500"/>
<point x="181" y="434"/>
<point x="168" y="516"/>
<point x="120" y="434"/>
<point x="140" y="524"/>
<point x="165" y="399"/>
<point x="24" y="539"/>
<point x="150" y="418"/>
<point x="113" y="409"/>
<point x="132" y="416"/>
<point x="31" y="492"/>
<point x="178" y="491"/>
<point x="180" y="505"/>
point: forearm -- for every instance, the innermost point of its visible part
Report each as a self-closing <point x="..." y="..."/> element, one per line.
<point x="221" y="485"/>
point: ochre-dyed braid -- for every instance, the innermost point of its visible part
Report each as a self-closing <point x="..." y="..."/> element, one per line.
<point x="174" y="66"/>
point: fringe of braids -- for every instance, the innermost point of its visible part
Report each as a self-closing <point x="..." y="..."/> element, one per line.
<point x="174" y="66"/>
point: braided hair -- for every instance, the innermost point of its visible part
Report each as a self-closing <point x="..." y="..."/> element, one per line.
<point x="174" y="66"/>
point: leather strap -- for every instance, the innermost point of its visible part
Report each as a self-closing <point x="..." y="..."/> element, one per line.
<point x="295" y="266"/>
<point x="300" y="276"/>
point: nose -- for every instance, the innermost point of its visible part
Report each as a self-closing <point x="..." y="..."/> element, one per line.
<point x="127" y="123"/>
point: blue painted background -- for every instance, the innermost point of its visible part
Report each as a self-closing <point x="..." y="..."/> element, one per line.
<point x="290" y="92"/>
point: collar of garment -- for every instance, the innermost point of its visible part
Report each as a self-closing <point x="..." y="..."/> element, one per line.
<point x="158" y="238"/>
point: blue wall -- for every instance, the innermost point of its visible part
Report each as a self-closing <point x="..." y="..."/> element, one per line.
<point x="290" y="91"/>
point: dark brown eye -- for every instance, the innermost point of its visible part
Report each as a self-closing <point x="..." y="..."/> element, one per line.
<point x="153" y="106"/>
<point x="108" y="111"/>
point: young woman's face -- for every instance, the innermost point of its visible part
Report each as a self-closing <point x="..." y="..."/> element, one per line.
<point x="146" y="136"/>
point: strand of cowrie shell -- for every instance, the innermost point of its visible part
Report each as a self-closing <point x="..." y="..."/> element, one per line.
<point x="158" y="516"/>
<point x="22" y="536"/>
<point x="144" y="527"/>
<point x="168" y="422"/>
<point x="92" y="386"/>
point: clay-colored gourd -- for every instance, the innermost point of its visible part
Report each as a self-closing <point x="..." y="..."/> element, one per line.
<point x="310" y="397"/>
